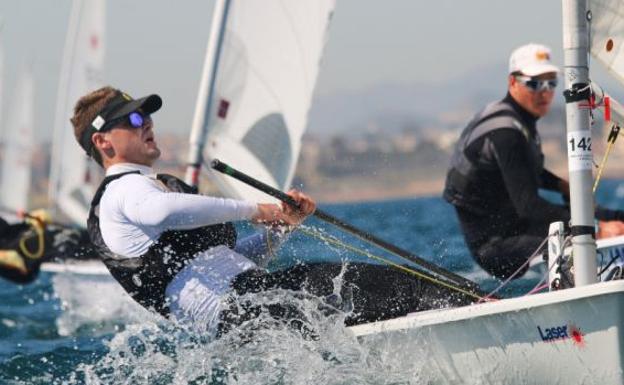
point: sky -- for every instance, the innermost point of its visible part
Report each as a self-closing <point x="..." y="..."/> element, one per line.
<point x="159" y="46"/>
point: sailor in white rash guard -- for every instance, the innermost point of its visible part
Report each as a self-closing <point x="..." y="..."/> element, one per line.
<point x="176" y="252"/>
<point x="172" y="250"/>
<point x="136" y="209"/>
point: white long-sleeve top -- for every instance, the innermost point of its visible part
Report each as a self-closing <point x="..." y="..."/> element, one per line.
<point x="137" y="208"/>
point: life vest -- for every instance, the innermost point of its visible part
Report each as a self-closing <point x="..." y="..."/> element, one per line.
<point x="468" y="176"/>
<point x="146" y="277"/>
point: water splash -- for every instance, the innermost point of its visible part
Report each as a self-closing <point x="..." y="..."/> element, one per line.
<point x="92" y="303"/>
<point x="263" y="350"/>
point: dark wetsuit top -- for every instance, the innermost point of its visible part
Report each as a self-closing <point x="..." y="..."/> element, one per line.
<point x="503" y="218"/>
<point x="513" y="219"/>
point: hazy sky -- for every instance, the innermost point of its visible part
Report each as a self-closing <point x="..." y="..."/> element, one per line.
<point x="158" y="45"/>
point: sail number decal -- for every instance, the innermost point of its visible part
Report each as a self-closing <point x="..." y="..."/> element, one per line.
<point x="579" y="151"/>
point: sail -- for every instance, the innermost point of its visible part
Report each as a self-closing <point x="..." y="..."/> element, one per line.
<point x="264" y="71"/>
<point x="81" y="72"/>
<point x="606" y="39"/>
<point x="18" y="147"/>
<point x="2" y="127"/>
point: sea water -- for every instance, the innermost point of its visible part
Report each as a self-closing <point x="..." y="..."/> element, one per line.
<point x="65" y="329"/>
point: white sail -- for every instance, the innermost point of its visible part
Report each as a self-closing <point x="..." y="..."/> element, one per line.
<point x="606" y="38"/>
<point x="18" y="147"/>
<point x="2" y="126"/>
<point x="264" y="69"/>
<point x="69" y="190"/>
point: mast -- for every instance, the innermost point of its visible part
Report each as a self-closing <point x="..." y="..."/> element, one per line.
<point x="205" y="97"/>
<point x="577" y="96"/>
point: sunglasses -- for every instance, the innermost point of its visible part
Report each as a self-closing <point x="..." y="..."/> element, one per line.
<point x="134" y="119"/>
<point x="536" y="84"/>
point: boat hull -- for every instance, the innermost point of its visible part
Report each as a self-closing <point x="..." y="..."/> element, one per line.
<point x="572" y="336"/>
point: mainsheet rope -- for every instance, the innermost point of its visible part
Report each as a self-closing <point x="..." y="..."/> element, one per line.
<point x="343" y="245"/>
<point x="333" y="241"/>
<point x="613" y="135"/>
<point x="513" y="275"/>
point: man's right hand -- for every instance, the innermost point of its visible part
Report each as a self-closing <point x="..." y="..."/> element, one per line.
<point x="273" y="214"/>
<point x="267" y="213"/>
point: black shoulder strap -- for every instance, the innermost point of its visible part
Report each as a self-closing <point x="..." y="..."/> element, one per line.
<point x="176" y="184"/>
<point x="497" y="115"/>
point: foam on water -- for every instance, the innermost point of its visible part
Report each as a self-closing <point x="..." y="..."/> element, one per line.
<point x="261" y="351"/>
<point x="95" y="302"/>
<point x="63" y="330"/>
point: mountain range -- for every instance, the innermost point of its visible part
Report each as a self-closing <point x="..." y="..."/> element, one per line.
<point x="447" y="105"/>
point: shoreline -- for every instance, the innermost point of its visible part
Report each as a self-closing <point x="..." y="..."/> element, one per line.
<point x="349" y="191"/>
<point x="346" y="193"/>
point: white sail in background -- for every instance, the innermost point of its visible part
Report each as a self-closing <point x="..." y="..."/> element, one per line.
<point x="607" y="46"/>
<point x="2" y="126"/>
<point x="18" y="147"/>
<point x="264" y="75"/>
<point x="70" y="191"/>
<point x="606" y="38"/>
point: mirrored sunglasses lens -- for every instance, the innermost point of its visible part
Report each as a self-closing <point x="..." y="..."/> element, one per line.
<point x="539" y="85"/>
<point x="532" y="84"/>
<point x="136" y="120"/>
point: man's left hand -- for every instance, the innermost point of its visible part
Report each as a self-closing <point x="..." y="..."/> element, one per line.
<point x="608" y="229"/>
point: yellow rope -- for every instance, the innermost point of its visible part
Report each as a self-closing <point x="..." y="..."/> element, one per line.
<point x="611" y="142"/>
<point x="39" y="230"/>
<point x="406" y="269"/>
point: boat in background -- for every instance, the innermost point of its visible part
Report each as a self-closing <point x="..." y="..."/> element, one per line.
<point x="71" y="185"/>
<point x="261" y="66"/>
<point x="573" y="335"/>
<point x="18" y="144"/>
<point x="74" y="178"/>
<point x="71" y="179"/>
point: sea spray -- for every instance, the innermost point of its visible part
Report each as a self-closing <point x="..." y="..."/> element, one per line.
<point x="317" y="348"/>
<point x="93" y="304"/>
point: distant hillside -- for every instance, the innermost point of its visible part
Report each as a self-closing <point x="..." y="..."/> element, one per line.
<point x="425" y="104"/>
<point x="393" y="107"/>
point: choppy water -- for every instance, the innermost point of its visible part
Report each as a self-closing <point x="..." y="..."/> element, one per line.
<point x="68" y="330"/>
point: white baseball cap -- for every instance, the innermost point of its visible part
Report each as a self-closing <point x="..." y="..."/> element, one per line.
<point x="532" y="60"/>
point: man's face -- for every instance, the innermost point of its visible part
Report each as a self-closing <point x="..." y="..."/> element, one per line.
<point x="134" y="145"/>
<point x="536" y="101"/>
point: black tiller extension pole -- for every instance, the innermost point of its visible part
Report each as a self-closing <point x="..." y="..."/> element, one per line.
<point x="448" y="275"/>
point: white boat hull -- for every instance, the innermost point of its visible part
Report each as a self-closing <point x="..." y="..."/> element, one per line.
<point x="87" y="268"/>
<point x="609" y="248"/>
<point x="571" y="336"/>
